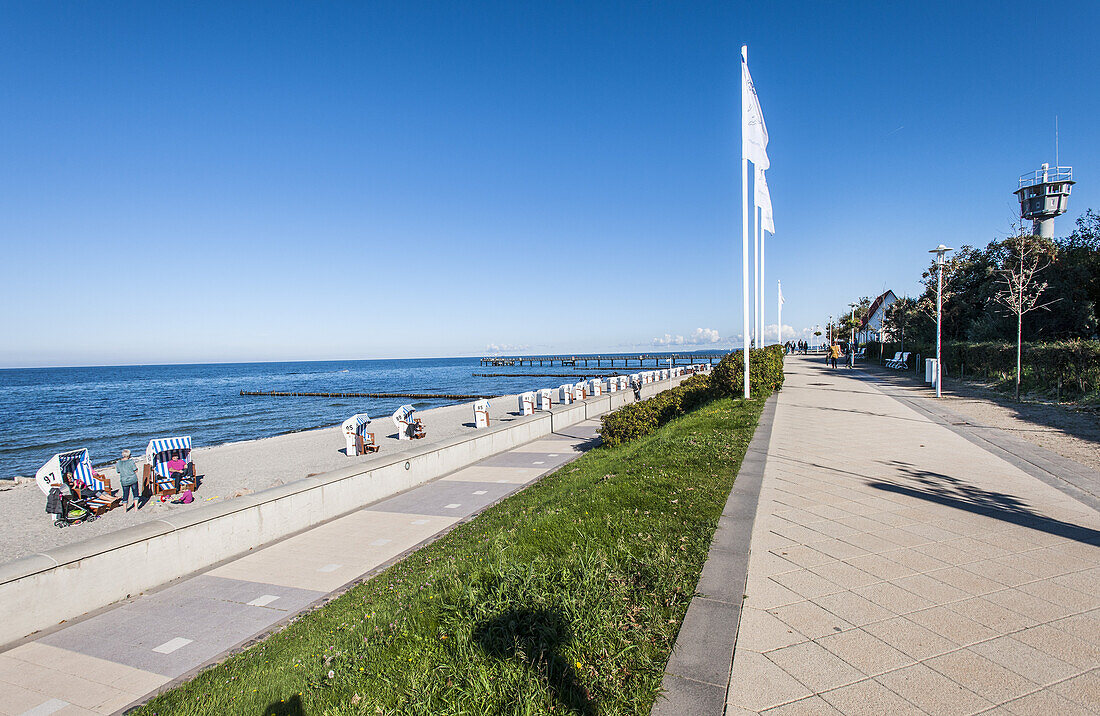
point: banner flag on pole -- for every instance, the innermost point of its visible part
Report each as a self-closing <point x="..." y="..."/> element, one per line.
<point x="763" y="199"/>
<point x="754" y="134"/>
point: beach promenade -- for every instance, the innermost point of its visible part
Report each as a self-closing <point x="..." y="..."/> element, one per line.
<point x="896" y="564"/>
<point x="109" y="660"/>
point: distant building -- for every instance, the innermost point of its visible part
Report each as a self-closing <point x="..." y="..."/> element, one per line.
<point x="871" y="329"/>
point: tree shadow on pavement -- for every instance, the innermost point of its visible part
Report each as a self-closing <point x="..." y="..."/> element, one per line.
<point x="535" y="638"/>
<point x="953" y="492"/>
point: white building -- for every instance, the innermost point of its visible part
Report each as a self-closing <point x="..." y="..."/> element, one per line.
<point x="871" y="330"/>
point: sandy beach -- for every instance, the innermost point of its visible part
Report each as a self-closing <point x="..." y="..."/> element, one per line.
<point x="228" y="470"/>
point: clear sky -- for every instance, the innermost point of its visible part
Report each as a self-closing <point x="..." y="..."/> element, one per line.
<point x="262" y="181"/>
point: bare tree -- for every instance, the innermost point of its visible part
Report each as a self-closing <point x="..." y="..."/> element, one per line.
<point x="1023" y="258"/>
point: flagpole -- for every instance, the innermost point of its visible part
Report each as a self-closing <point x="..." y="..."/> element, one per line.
<point x="756" y="273"/>
<point x="763" y="325"/>
<point x="779" y="304"/>
<point x="744" y="223"/>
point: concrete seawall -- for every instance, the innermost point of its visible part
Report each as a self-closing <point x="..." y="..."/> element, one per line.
<point x="44" y="589"/>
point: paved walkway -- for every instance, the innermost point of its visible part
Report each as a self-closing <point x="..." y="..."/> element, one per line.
<point x="896" y="567"/>
<point x="126" y="653"/>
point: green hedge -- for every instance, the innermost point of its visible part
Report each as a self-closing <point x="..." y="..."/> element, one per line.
<point x="635" y="420"/>
<point x="1068" y="369"/>
<point x="766" y="364"/>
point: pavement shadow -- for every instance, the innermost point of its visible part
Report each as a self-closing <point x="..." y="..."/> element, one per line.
<point x="290" y="707"/>
<point x="535" y="638"/>
<point x="1078" y="423"/>
<point x="953" y="492"/>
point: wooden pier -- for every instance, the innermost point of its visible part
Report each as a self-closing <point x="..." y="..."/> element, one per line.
<point x="641" y="360"/>
<point x="421" y="396"/>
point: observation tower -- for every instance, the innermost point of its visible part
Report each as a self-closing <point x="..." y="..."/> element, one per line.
<point x="1043" y="195"/>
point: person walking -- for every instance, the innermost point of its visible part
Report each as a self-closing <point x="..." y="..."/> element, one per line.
<point x="128" y="478"/>
<point x="833" y="354"/>
<point x="851" y="362"/>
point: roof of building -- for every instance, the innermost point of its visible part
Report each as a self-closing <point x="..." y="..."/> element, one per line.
<point x="875" y="305"/>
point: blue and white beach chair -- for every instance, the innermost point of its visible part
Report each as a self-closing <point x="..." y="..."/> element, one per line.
<point x="157" y="455"/>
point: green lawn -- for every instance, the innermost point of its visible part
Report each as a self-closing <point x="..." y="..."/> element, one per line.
<point x="565" y="598"/>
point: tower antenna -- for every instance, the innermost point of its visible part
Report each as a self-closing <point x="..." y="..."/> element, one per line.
<point x="1055" y="140"/>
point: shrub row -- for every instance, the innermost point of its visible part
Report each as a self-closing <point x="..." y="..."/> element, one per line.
<point x="726" y="380"/>
<point x="1066" y="368"/>
<point x="635" y="420"/>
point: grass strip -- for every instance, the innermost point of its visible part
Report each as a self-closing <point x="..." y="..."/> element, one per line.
<point x="564" y="598"/>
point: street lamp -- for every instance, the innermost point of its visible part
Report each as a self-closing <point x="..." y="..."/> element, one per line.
<point x="939" y="251"/>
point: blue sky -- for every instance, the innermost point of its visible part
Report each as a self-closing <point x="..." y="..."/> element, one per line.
<point x="253" y="181"/>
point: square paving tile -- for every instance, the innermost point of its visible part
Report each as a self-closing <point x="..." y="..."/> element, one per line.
<point x="814" y="666"/>
<point x="870" y="698"/>
<point x="932" y="691"/>
<point x="1025" y="660"/>
<point x="980" y="675"/>
<point x="868" y="653"/>
<point x="910" y="638"/>
<point x="756" y="683"/>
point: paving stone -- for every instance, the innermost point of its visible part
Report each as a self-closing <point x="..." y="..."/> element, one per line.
<point x="1057" y="643"/>
<point x="980" y="675"/>
<point x="756" y="683"/>
<point x="869" y="698"/>
<point x="814" y="666"/>
<point x="910" y="638"/>
<point x="1025" y="660"/>
<point x="869" y="654"/>
<point x="684" y="696"/>
<point x="813" y="706"/>
<point x="1047" y="702"/>
<point x="932" y="691"/>
<point x="951" y="625"/>
<point x="1083" y="689"/>
<point x="810" y="619"/>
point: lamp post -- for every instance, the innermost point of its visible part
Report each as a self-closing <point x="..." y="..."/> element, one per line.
<point x="939" y="251"/>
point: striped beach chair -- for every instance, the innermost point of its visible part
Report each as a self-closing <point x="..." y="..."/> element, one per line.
<point x="357" y="440"/>
<point x="87" y="484"/>
<point x="157" y="474"/>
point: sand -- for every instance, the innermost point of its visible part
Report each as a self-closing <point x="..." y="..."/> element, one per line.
<point x="251" y="466"/>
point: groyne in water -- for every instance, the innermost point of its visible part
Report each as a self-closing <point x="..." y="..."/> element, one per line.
<point x="420" y="396"/>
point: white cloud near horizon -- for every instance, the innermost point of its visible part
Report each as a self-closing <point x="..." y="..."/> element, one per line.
<point x="699" y="337"/>
<point x="505" y="348"/>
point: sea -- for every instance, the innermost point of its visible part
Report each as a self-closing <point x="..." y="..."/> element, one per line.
<point x="107" y="408"/>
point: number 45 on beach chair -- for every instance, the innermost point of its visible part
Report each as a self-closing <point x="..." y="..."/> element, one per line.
<point x="356" y="438"/>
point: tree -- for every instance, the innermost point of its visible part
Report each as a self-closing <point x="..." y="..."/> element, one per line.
<point x="1020" y="260"/>
<point x="902" y="317"/>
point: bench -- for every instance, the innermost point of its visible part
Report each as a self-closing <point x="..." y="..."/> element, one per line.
<point x="899" y="362"/>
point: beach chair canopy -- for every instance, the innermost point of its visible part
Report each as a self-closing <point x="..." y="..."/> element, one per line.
<point x="76" y="461"/>
<point x="403" y="415"/>
<point x="482" y="406"/>
<point x="356" y="424"/>
<point x="158" y="451"/>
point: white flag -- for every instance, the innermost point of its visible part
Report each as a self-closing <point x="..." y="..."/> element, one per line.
<point x="754" y="135"/>
<point x="763" y="200"/>
<point x="781" y="301"/>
